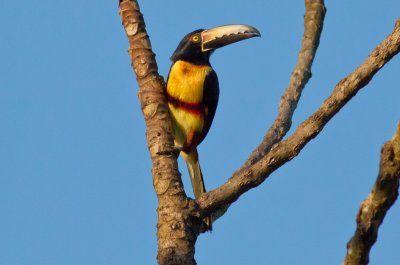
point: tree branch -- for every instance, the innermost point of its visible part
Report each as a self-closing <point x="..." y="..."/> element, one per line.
<point x="252" y="176"/>
<point x="380" y="199"/>
<point x="313" y="24"/>
<point x="176" y="231"/>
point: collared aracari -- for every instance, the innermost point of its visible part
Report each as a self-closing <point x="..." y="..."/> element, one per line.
<point x="192" y="93"/>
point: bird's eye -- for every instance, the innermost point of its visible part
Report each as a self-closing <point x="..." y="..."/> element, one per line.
<point x="195" y="38"/>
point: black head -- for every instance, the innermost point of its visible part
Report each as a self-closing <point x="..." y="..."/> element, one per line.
<point x="189" y="49"/>
<point x="197" y="46"/>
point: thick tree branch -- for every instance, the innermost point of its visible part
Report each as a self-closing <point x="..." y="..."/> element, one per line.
<point x="313" y="24"/>
<point x="250" y="177"/>
<point x="373" y="209"/>
<point x="176" y="231"/>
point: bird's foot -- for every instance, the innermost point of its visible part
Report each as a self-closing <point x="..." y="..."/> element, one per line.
<point x="172" y="150"/>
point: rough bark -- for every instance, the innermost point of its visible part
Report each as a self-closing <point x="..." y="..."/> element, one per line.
<point x="179" y="217"/>
<point x="252" y="176"/>
<point x="313" y="24"/>
<point x="374" y="208"/>
<point x="177" y="230"/>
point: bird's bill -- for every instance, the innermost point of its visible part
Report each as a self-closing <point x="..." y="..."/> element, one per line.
<point x="218" y="37"/>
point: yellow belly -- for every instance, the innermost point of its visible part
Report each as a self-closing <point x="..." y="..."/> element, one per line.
<point x="184" y="123"/>
<point x="186" y="84"/>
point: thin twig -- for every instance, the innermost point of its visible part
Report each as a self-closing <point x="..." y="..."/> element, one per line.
<point x="373" y="209"/>
<point x="313" y="24"/>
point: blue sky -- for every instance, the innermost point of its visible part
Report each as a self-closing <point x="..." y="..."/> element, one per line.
<point x="75" y="183"/>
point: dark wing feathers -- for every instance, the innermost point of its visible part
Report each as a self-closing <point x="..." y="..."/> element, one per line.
<point x="210" y="101"/>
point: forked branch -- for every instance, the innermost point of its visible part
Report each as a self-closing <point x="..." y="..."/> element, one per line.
<point x="252" y="176"/>
<point x="177" y="229"/>
<point x="313" y="24"/>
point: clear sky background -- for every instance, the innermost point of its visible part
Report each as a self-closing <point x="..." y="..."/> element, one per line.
<point x="75" y="182"/>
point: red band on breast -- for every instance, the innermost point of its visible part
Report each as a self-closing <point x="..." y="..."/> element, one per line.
<point x="194" y="108"/>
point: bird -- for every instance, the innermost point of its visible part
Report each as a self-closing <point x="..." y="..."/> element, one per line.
<point x="192" y="93"/>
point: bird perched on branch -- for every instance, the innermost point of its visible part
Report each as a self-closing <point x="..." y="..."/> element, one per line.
<point x="193" y="91"/>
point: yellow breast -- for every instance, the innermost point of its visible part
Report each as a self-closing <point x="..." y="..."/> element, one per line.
<point x="186" y="81"/>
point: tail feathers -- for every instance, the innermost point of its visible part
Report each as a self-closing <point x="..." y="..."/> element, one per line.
<point x="196" y="177"/>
